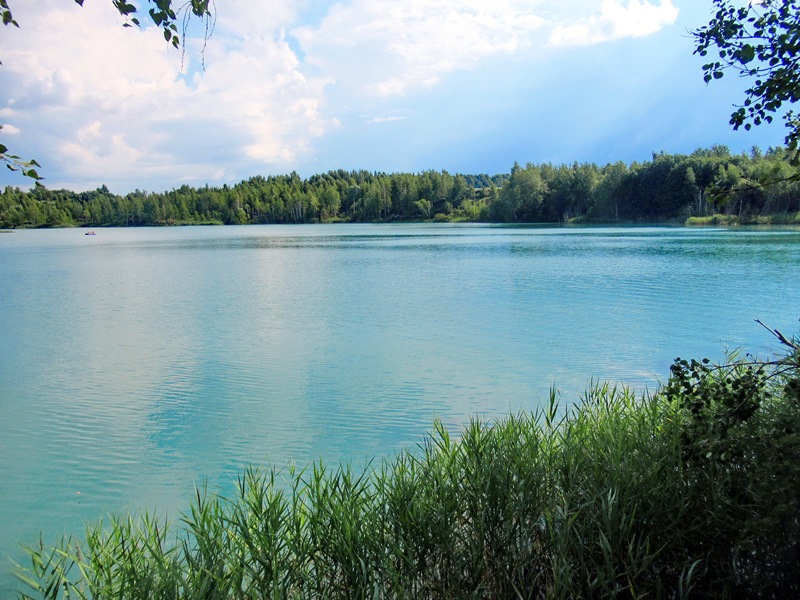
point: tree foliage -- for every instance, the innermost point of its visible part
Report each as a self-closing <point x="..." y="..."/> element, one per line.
<point x="759" y="41"/>
<point x="670" y="187"/>
<point x="172" y="18"/>
<point x="15" y="163"/>
<point x="166" y="15"/>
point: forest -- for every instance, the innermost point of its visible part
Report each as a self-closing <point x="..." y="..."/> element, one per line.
<point x="708" y="186"/>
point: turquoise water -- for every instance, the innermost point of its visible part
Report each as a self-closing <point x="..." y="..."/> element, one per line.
<point x="136" y="362"/>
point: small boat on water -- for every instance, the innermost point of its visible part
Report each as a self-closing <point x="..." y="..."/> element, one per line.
<point x="90" y="233"/>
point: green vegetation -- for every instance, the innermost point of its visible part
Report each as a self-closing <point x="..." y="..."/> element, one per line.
<point x="745" y="188"/>
<point x="692" y="491"/>
<point x="757" y="41"/>
<point x="726" y="220"/>
<point x="733" y="220"/>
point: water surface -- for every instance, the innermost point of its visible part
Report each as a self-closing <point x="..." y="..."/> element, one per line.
<point x="136" y="362"/>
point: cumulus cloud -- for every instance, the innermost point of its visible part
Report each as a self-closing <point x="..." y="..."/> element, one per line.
<point x="636" y="18"/>
<point x="400" y="46"/>
<point x="99" y="102"/>
<point x="390" y="49"/>
<point x="99" y="99"/>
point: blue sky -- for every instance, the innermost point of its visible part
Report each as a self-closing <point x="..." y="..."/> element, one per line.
<point x="469" y="86"/>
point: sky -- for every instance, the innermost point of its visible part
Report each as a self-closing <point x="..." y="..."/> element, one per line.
<point x="467" y="86"/>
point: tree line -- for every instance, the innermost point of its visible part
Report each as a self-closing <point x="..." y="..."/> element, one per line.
<point x="753" y="187"/>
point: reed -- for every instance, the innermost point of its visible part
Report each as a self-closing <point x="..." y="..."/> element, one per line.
<point x="717" y="219"/>
<point x="689" y="491"/>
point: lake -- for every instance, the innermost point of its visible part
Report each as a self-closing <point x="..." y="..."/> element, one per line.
<point x="137" y="362"/>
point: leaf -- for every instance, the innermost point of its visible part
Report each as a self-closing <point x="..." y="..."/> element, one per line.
<point x="747" y="54"/>
<point x="755" y="39"/>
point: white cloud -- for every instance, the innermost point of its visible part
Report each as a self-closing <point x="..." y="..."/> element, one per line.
<point x="394" y="47"/>
<point x="637" y="18"/>
<point x="10" y="129"/>
<point x="387" y="119"/>
<point x="100" y="102"/>
<point x="391" y="48"/>
<point x="107" y="102"/>
<point x="96" y="150"/>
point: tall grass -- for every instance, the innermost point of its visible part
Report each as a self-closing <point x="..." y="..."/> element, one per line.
<point x="787" y="218"/>
<point x="717" y="219"/>
<point x="622" y="496"/>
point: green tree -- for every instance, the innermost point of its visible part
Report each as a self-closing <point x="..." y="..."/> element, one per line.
<point x="330" y="202"/>
<point x="521" y="198"/>
<point x="606" y="206"/>
<point x="424" y="207"/>
<point x="760" y="41"/>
